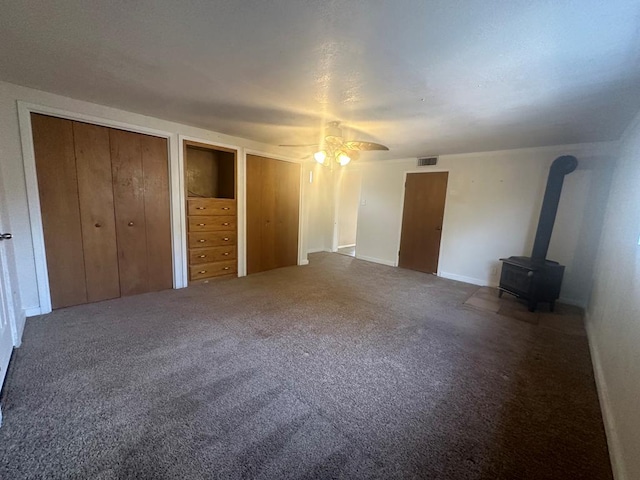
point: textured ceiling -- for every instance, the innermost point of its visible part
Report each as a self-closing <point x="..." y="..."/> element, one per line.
<point x="423" y="77"/>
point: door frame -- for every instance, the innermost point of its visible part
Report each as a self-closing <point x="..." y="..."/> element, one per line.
<point x="240" y="198"/>
<point x="444" y="220"/>
<point x="302" y="252"/>
<point x="25" y="109"/>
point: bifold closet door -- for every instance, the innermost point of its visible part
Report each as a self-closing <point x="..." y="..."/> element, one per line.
<point x="95" y="192"/>
<point x="273" y="196"/>
<point x="104" y="197"/>
<point x="141" y="199"/>
<point x="157" y="211"/>
<point x="60" y="207"/>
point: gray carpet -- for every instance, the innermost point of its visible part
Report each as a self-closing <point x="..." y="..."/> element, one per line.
<point x="340" y="369"/>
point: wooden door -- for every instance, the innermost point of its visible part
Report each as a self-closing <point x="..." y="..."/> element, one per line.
<point x="95" y="192"/>
<point x="273" y="196"/>
<point x="157" y="211"/>
<point x="58" y="188"/>
<point x="128" y="195"/>
<point x="424" y="199"/>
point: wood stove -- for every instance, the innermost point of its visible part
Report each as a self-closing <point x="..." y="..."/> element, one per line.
<point x="535" y="278"/>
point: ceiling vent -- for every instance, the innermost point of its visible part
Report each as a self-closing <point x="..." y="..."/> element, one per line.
<point x="426" y="161"/>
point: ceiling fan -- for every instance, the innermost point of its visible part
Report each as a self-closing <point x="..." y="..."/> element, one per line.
<point x="335" y="147"/>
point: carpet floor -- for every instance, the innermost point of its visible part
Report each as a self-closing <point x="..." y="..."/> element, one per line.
<point x="342" y="369"/>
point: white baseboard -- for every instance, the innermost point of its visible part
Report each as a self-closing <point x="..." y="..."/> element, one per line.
<point x="572" y="301"/>
<point x="316" y="250"/>
<point x="303" y="262"/>
<point x="376" y="260"/>
<point x="345" y="246"/>
<point x="462" y="278"/>
<point x="32" y="312"/>
<point x="613" y="441"/>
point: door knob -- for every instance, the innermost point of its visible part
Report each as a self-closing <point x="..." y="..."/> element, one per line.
<point x="130" y="224"/>
<point x="439" y="228"/>
<point x="5" y="236"/>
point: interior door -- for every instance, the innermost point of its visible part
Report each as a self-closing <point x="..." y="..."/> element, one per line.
<point x="128" y="196"/>
<point x="424" y="199"/>
<point x="58" y="187"/>
<point x="6" y="340"/>
<point x="273" y="199"/>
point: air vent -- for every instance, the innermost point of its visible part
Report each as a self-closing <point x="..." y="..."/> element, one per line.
<point x="426" y="161"/>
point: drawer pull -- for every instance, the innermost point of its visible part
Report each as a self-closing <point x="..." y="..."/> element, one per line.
<point x="225" y="208"/>
<point x="226" y="239"/>
<point x="225" y="253"/>
<point x="201" y="224"/>
<point x="202" y="271"/>
<point x="226" y="268"/>
<point x="201" y="208"/>
<point x="201" y="256"/>
<point x="225" y="223"/>
<point x="202" y="240"/>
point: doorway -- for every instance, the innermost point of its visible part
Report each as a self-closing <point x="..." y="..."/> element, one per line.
<point x="347" y="204"/>
<point x="422" y="218"/>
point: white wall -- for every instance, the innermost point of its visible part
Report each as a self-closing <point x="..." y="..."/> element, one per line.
<point x="13" y="176"/>
<point x="348" y="186"/>
<point x="492" y="208"/>
<point x="320" y="202"/>
<point x="613" y="315"/>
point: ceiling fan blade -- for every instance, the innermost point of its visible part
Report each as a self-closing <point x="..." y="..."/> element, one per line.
<point x="307" y="145"/>
<point x="358" y="145"/>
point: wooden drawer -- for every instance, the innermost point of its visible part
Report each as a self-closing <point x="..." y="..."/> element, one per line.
<point x="211" y="206"/>
<point x="206" y="270"/>
<point x="212" y="254"/>
<point x="202" y="223"/>
<point x="211" y="239"/>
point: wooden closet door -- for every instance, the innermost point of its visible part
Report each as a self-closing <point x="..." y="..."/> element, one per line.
<point x="58" y="190"/>
<point x="155" y="167"/>
<point x="95" y="191"/>
<point x="254" y="214"/>
<point x="287" y="206"/>
<point x="273" y="196"/>
<point x="128" y="195"/>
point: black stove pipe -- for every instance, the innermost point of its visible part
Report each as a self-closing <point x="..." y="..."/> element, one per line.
<point x="560" y="167"/>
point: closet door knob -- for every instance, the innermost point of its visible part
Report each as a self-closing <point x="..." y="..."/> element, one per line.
<point x="98" y="225"/>
<point x="201" y="256"/>
<point x="201" y="208"/>
<point x="202" y="241"/>
<point x="202" y="271"/>
<point x="225" y="208"/>
<point x="225" y="253"/>
<point x="226" y="239"/>
<point x="130" y="224"/>
<point x="225" y="223"/>
<point x="201" y="224"/>
<point x="226" y="268"/>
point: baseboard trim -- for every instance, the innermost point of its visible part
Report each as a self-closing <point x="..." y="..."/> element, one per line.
<point x="32" y="312"/>
<point x="345" y="246"/>
<point x="303" y="262"/>
<point x="316" y="250"/>
<point x="462" y="278"/>
<point x="613" y="441"/>
<point x="376" y="260"/>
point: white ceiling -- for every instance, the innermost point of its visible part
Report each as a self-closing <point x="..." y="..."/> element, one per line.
<point x="423" y="77"/>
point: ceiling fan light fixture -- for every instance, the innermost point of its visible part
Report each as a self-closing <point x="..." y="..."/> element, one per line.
<point x="343" y="159"/>
<point x="320" y="156"/>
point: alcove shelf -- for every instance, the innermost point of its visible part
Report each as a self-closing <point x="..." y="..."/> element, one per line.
<point x="210" y="184"/>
